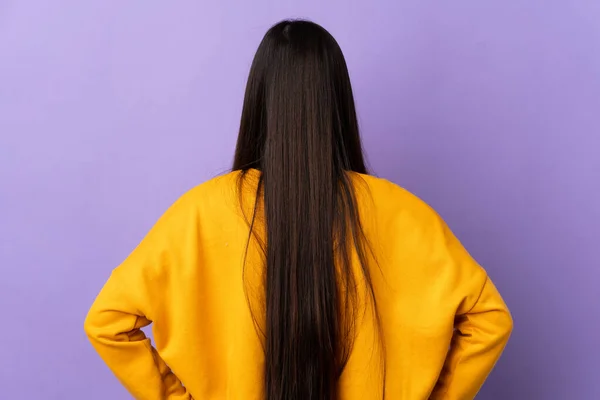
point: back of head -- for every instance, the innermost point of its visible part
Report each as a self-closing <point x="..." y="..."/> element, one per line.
<point x="299" y="88"/>
<point x="299" y="129"/>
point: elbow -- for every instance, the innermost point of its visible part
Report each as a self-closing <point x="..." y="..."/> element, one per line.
<point x="509" y="324"/>
<point x="506" y="325"/>
<point x="90" y="325"/>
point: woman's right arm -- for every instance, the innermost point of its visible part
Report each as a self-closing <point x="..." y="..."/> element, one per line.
<point x="480" y="335"/>
<point x="482" y="323"/>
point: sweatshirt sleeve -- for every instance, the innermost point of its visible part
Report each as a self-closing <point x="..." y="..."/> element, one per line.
<point x="130" y="300"/>
<point x="481" y="329"/>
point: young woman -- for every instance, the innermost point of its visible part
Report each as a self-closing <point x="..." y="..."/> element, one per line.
<point x="298" y="276"/>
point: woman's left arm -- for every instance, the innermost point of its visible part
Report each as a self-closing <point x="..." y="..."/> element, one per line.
<point x="113" y="326"/>
<point x="132" y="298"/>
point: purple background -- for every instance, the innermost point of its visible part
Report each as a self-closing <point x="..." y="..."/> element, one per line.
<point x="489" y="110"/>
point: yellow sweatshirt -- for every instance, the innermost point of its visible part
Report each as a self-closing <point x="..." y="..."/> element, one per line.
<point x="443" y="324"/>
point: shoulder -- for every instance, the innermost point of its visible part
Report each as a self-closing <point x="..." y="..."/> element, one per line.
<point x="212" y="189"/>
<point x="395" y="203"/>
<point x="217" y="192"/>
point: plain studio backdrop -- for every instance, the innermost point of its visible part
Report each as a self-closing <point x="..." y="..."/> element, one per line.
<point x="488" y="110"/>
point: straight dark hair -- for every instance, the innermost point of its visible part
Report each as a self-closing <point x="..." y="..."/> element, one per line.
<point x="299" y="128"/>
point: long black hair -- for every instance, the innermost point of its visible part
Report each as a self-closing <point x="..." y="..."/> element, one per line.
<point x="299" y="129"/>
